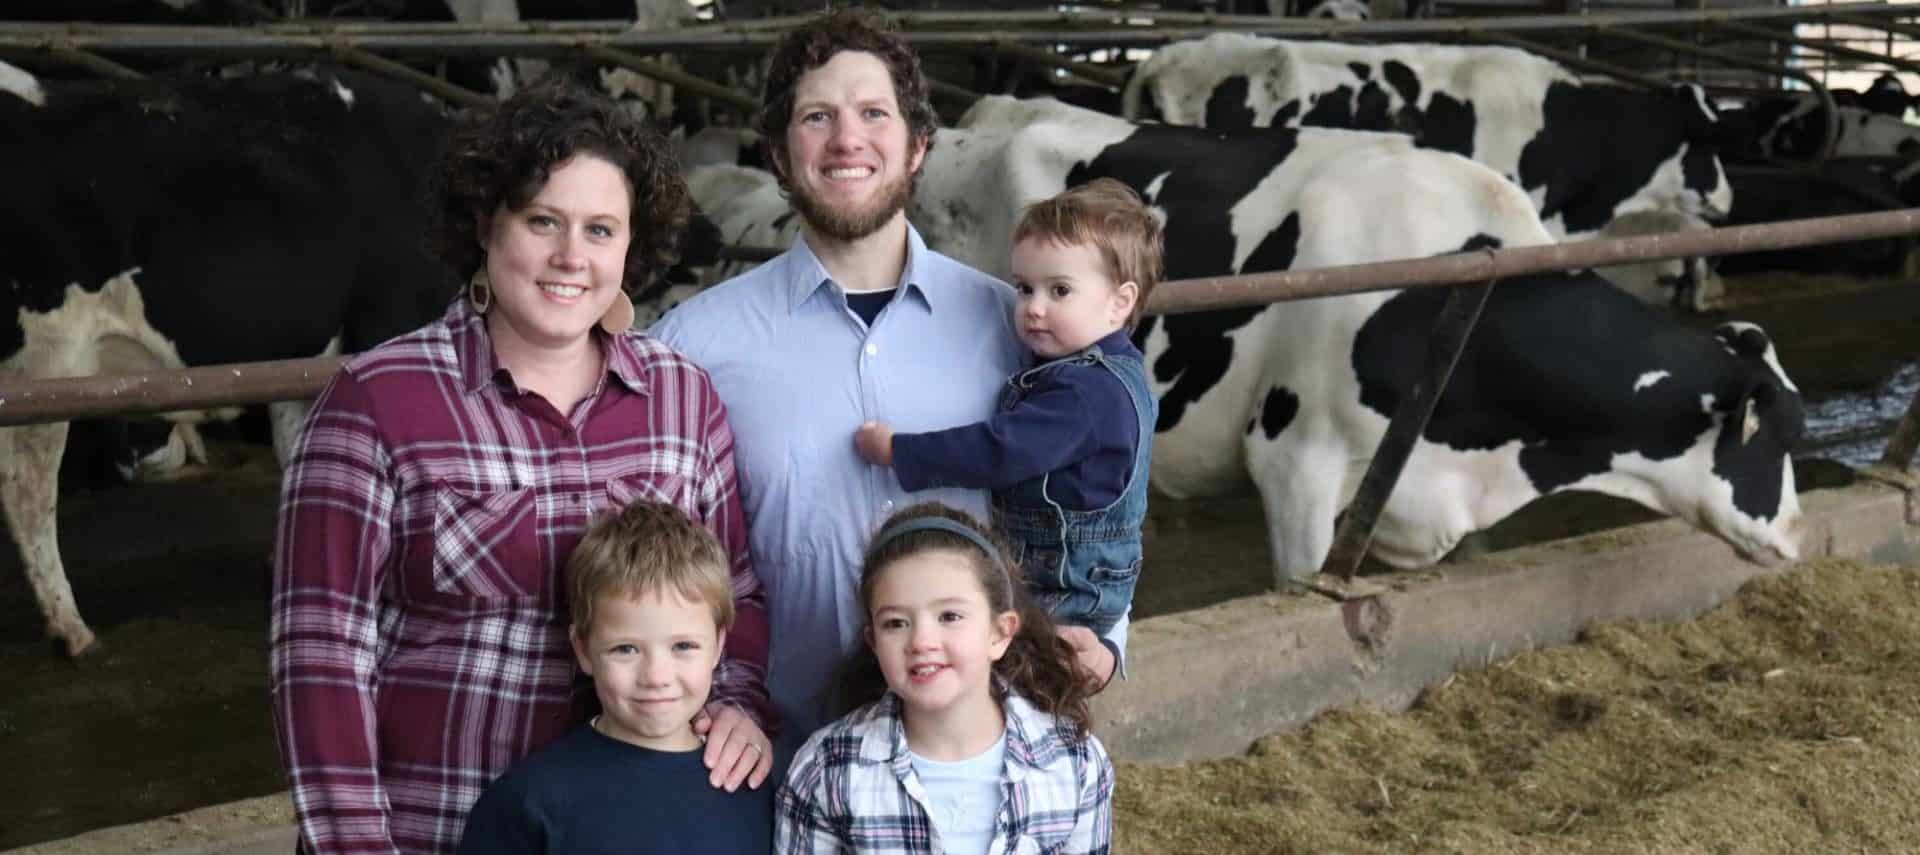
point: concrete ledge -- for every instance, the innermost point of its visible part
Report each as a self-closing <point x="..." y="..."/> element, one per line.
<point x="1207" y="683"/>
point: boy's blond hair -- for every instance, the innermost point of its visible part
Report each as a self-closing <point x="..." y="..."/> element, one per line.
<point x="648" y="548"/>
<point x="1108" y="216"/>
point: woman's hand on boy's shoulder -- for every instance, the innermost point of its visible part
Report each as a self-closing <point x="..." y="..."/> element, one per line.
<point x="737" y="750"/>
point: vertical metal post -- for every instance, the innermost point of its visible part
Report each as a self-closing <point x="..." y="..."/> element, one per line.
<point x="1451" y="330"/>
<point x="1906" y="437"/>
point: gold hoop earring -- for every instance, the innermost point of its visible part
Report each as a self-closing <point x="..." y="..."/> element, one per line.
<point x="480" y="291"/>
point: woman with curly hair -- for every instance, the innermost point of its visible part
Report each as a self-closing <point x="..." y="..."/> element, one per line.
<point x="419" y="635"/>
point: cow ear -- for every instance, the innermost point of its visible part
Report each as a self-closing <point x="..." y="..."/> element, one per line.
<point x="1757" y="400"/>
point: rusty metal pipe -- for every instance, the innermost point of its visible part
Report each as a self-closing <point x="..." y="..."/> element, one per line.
<point x="383" y="66"/>
<point x="691" y="83"/>
<point x="34" y="401"/>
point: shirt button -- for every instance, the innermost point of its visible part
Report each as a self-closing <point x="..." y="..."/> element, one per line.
<point x="873" y="349"/>
<point x="886" y="507"/>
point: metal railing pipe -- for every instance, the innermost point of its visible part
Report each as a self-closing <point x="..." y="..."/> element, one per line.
<point x="34" y="401"/>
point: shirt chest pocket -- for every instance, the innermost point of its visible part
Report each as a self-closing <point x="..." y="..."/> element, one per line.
<point x="665" y="488"/>
<point x="487" y="545"/>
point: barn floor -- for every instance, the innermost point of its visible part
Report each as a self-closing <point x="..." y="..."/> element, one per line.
<point x="172" y="714"/>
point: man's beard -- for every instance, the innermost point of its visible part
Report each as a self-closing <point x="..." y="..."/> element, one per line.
<point x="851" y="225"/>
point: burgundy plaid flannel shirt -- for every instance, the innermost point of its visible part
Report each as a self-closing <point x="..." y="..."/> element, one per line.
<point x="419" y="624"/>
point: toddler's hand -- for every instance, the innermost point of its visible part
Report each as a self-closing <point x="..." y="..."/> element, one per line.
<point x="874" y="440"/>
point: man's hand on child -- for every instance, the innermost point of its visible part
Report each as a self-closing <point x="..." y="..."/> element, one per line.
<point x="874" y="440"/>
<point x="737" y="750"/>
<point x="1093" y="659"/>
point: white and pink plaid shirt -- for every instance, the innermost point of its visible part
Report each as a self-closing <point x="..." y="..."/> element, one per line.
<point x="419" y="624"/>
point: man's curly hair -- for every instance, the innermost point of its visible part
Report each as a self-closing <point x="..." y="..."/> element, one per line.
<point x="814" y="44"/>
<point x="504" y="157"/>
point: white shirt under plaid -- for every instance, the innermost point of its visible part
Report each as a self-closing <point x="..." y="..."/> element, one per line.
<point x="852" y="788"/>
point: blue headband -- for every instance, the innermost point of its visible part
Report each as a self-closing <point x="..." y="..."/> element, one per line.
<point x="961" y="530"/>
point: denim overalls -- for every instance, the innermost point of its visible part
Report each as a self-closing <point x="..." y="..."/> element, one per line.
<point x="1081" y="565"/>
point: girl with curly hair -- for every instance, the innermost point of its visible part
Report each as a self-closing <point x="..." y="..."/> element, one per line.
<point x="972" y="730"/>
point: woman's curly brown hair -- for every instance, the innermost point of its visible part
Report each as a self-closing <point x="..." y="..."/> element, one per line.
<point x="504" y="157"/>
<point x="814" y="44"/>
<point x="1038" y="664"/>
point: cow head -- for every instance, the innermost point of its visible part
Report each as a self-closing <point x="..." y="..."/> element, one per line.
<point x="1703" y="187"/>
<point x="1751" y="500"/>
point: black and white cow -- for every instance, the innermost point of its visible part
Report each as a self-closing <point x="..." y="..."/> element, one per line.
<point x="190" y="221"/>
<point x="1568" y="389"/>
<point x="1793" y="127"/>
<point x="1585" y="153"/>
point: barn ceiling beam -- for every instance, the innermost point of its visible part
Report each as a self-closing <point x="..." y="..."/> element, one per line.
<point x="1570" y="59"/>
<point x="1831" y="129"/>
<point x="675" y="77"/>
<point x="205" y="387"/>
<point x="1749" y="31"/>
<point x="1086" y="71"/>
<point x="1109" y="29"/>
<point x="381" y="65"/>
<point x="70" y="55"/>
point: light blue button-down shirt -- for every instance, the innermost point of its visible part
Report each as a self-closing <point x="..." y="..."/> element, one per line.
<point x="799" y="372"/>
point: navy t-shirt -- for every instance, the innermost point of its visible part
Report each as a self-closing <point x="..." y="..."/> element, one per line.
<point x="590" y="794"/>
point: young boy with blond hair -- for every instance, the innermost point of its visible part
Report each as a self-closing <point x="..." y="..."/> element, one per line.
<point x="651" y="603"/>
<point x="1066" y="454"/>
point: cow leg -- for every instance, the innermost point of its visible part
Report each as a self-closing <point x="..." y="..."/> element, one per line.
<point x="29" y="494"/>
<point x="1299" y="487"/>
<point x="288" y="417"/>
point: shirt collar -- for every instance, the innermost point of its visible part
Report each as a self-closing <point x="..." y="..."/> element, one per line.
<point x="480" y="367"/>
<point x="805" y="275"/>
<point x="1033" y="741"/>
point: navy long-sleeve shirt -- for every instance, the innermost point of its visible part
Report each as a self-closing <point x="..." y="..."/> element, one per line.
<point x="589" y="794"/>
<point x="1076" y="422"/>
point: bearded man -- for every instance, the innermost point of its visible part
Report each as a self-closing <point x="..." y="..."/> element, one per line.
<point x="859" y="321"/>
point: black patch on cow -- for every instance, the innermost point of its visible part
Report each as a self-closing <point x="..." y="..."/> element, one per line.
<point x="1277" y="411"/>
<point x="1402" y="79"/>
<point x="1373" y="109"/>
<point x="1448" y="125"/>
<point x="1227" y="106"/>
<point x="1480" y="241"/>
<point x="781" y="221"/>
<point x="266" y="216"/>
<point x="1360" y="70"/>
<point x="1554" y="364"/>
<point x="1331" y="109"/>
<point x="1207" y="173"/>
<point x="1583" y="181"/>
<point x="1284" y="116"/>
<point x="1834" y="188"/>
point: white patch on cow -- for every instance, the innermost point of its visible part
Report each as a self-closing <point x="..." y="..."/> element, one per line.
<point x="89" y="332"/>
<point x="1153" y="187"/>
<point x="1648" y="379"/>
<point x="341" y="91"/>
<point x="19" y="83"/>
<point x="289" y="418"/>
